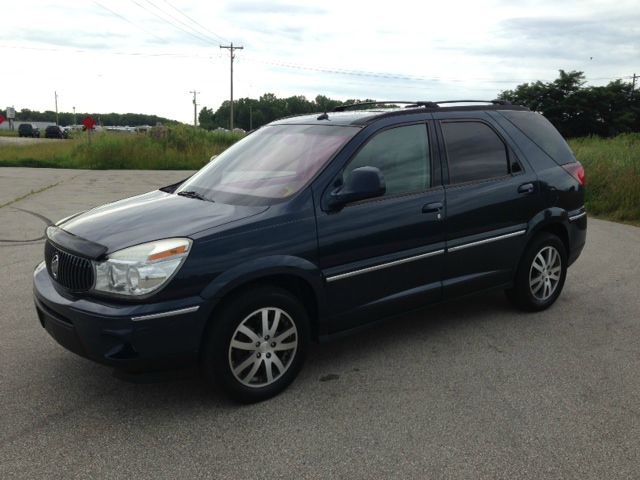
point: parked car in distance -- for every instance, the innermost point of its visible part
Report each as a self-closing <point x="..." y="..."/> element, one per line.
<point x="313" y="226"/>
<point x="28" y="130"/>
<point x="54" y="131"/>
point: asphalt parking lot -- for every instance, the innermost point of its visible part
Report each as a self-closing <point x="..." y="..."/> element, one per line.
<point x="471" y="389"/>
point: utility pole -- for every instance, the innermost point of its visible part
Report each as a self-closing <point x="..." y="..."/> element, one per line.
<point x="231" y="48"/>
<point x="55" y="94"/>
<point x="74" y="116"/>
<point x="195" y="108"/>
<point x="250" y="118"/>
<point x="633" y="85"/>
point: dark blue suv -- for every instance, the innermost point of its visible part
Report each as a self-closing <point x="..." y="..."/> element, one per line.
<point x="312" y="226"/>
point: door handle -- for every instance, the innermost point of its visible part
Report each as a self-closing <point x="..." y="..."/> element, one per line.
<point x="432" y="207"/>
<point x="526" y="188"/>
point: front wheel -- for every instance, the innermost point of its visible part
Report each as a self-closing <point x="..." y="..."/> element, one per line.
<point x="257" y="344"/>
<point x="541" y="274"/>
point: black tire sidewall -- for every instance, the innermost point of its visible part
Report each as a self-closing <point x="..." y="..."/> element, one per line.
<point x="523" y="295"/>
<point x="215" y="361"/>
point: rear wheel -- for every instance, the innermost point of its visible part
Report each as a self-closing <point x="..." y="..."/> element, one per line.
<point x="541" y="274"/>
<point x="257" y="344"/>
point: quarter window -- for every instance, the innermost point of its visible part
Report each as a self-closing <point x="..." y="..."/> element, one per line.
<point x="402" y="155"/>
<point x="474" y="152"/>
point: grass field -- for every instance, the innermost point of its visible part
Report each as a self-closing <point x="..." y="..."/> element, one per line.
<point x="612" y="167"/>
<point x="612" y="164"/>
<point x="172" y="148"/>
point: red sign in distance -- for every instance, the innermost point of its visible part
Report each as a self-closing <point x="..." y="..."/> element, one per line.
<point x="88" y="122"/>
<point x="2" y="119"/>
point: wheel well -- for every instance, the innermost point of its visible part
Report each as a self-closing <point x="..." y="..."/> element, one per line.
<point x="292" y="283"/>
<point x="559" y="231"/>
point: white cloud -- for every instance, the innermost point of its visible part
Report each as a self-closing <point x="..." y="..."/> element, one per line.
<point x="98" y="61"/>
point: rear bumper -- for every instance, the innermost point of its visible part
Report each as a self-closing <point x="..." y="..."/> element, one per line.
<point x="129" y="336"/>
<point x="577" y="230"/>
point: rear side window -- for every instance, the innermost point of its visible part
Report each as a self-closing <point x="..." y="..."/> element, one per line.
<point x="542" y="133"/>
<point x="401" y="154"/>
<point x="474" y="152"/>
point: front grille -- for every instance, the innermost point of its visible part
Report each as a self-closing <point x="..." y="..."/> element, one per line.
<point x="73" y="272"/>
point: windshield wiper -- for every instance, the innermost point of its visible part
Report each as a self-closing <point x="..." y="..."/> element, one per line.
<point x="192" y="194"/>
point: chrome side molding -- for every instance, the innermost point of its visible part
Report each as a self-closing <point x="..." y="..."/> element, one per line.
<point x="486" y="240"/>
<point x="171" y="313"/>
<point x="384" y="265"/>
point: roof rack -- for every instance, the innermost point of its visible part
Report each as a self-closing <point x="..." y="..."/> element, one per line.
<point x="414" y="104"/>
<point x="342" y="108"/>
<point x="494" y="102"/>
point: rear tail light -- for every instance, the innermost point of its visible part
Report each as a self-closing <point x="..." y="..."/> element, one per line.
<point x="576" y="170"/>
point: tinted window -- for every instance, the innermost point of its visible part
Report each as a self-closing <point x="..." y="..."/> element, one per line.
<point x="272" y="163"/>
<point x="542" y="133"/>
<point x="402" y="155"/>
<point x="474" y="152"/>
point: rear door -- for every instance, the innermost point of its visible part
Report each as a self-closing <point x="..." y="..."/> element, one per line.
<point x="386" y="253"/>
<point x="491" y="195"/>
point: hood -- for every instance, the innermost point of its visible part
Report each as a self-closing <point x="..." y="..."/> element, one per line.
<point x="152" y="216"/>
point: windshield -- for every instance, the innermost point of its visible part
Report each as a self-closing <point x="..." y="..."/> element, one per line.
<point x="271" y="164"/>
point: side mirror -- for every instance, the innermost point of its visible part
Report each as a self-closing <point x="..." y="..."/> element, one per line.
<point x="362" y="183"/>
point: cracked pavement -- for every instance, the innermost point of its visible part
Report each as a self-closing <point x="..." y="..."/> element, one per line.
<point x="470" y="389"/>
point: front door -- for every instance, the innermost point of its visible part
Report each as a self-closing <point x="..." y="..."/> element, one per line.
<point x="386" y="253"/>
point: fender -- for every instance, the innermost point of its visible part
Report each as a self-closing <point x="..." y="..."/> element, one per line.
<point x="266" y="266"/>
<point x="546" y="217"/>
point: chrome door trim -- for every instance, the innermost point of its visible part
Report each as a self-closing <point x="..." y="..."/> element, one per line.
<point x="384" y="265"/>
<point x="486" y="240"/>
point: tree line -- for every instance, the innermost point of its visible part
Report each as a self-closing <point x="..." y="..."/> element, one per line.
<point x="575" y="109"/>
<point x="249" y="113"/>
<point x="68" y="118"/>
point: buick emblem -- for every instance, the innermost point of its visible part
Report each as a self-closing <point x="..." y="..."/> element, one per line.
<point x="55" y="263"/>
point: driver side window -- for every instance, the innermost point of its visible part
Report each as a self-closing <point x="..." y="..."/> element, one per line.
<point x="401" y="154"/>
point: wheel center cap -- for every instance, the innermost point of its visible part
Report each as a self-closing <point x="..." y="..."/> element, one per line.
<point x="264" y="347"/>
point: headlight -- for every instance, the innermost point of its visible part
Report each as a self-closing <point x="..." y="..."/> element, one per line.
<point x="141" y="269"/>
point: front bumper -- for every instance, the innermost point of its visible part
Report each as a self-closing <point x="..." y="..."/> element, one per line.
<point x="129" y="336"/>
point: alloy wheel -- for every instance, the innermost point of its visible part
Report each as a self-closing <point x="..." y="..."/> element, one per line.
<point x="545" y="272"/>
<point x="262" y="347"/>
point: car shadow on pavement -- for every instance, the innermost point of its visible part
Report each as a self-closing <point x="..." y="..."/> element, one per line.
<point x="327" y="360"/>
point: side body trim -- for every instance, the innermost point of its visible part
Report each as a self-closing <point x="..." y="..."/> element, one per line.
<point x="486" y="240"/>
<point x="171" y="313"/>
<point x="423" y="255"/>
<point x="384" y="265"/>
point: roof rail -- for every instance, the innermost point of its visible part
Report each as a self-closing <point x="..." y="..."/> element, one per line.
<point x="419" y="103"/>
<point x="342" y="108"/>
<point x="494" y="102"/>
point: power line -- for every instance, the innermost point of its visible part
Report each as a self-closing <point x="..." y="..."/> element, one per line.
<point x="195" y="22"/>
<point x="198" y="37"/>
<point x="231" y="48"/>
<point x="205" y="36"/>
<point x="363" y="74"/>
<point x="105" y="52"/>
<point x="116" y="14"/>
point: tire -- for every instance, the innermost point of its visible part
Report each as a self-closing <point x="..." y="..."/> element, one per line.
<point x="541" y="274"/>
<point x="248" y="363"/>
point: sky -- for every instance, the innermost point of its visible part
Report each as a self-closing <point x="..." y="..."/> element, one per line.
<point x="145" y="56"/>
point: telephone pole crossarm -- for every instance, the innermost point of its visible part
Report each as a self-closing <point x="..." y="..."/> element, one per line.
<point x="231" y="48"/>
